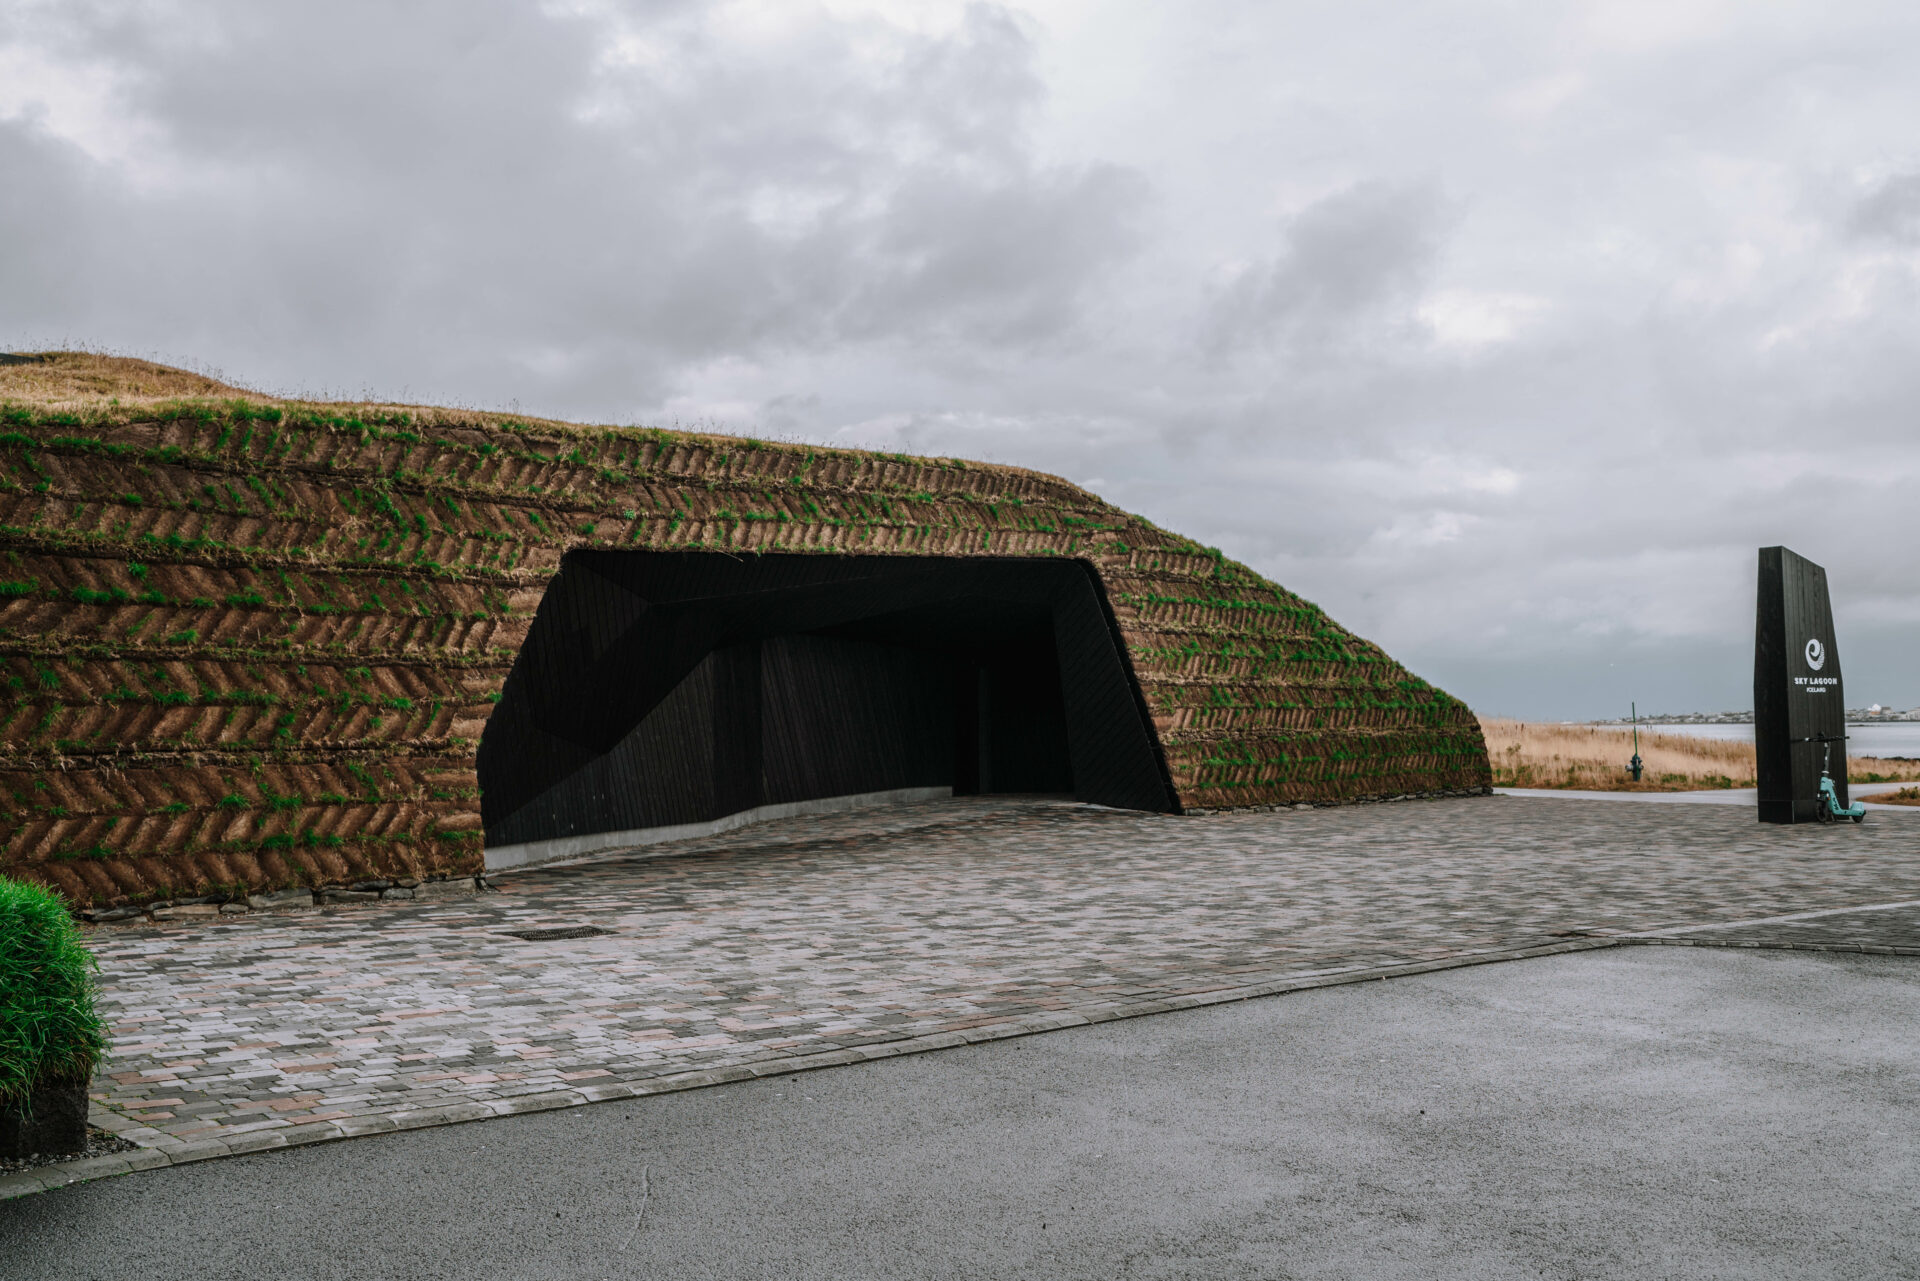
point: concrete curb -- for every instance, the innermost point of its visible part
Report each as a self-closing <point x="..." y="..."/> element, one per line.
<point x="580" y="849"/>
<point x="1859" y="949"/>
<point x="160" y="1149"/>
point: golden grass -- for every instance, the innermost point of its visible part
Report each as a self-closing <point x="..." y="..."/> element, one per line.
<point x="58" y="379"/>
<point x="93" y="383"/>
<point x="1594" y="758"/>
<point x="1905" y="796"/>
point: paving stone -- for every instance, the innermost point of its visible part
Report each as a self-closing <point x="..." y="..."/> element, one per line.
<point x="867" y="934"/>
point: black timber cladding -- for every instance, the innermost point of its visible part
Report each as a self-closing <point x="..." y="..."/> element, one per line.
<point x="1799" y="704"/>
<point x="662" y="688"/>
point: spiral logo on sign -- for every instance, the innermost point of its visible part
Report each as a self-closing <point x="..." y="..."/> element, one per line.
<point x="1816" y="654"/>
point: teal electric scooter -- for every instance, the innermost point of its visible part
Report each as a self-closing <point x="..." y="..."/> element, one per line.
<point x="1832" y="811"/>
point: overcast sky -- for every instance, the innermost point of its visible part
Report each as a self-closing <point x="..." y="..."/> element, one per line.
<point x="1505" y="331"/>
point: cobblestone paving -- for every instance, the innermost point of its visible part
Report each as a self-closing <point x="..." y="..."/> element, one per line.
<point x="839" y="935"/>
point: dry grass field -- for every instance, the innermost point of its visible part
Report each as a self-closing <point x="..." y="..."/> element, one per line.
<point x="1594" y="758"/>
<point x="79" y="379"/>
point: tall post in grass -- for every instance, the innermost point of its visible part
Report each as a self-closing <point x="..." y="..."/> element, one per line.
<point x="1799" y="710"/>
<point x="1634" y="766"/>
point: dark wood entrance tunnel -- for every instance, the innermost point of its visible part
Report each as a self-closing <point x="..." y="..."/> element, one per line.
<point x="659" y="689"/>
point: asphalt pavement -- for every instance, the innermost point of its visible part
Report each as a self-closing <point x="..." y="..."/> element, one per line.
<point x="1634" y="1112"/>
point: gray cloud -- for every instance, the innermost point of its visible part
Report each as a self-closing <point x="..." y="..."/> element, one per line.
<point x="1891" y="211"/>
<point x="524" y="191"/>
<point x="1353" y="264"/>
<point x="1509" y="357"/>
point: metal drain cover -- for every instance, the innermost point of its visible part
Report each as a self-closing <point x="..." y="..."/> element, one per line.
<point x="559" y="932"/>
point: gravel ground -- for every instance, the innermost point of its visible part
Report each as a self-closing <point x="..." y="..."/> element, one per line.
<point x="99" y="1143"/>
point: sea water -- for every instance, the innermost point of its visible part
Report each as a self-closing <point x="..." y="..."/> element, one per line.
<point x="1885" y="738"/>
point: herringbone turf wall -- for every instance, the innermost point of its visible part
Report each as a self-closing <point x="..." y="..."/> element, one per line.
<point x="247" y="642"/>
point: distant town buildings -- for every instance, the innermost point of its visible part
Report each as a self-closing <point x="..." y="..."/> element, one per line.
<point x="1875" y="713"/>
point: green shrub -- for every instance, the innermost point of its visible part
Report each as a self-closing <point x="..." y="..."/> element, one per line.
<point x="49" y="1030"/>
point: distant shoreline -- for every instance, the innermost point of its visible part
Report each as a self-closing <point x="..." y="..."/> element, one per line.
<point x="1855" y="716"/>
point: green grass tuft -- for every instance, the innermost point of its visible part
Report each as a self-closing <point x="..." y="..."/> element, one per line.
<point x="49" y="1031"/>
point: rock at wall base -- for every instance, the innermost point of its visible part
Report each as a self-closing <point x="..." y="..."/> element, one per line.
<point x="444" y="889"/>
<point x="185" y="911"/>
<point x="280" y="899"/>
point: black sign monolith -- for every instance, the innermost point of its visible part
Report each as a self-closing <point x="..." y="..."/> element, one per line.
<point x="1799" y="711"/>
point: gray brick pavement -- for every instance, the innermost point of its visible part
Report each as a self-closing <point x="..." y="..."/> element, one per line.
<point x="854" y="935"/>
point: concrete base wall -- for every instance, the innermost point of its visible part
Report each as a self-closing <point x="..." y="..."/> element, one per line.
<point x="567" y="848"/>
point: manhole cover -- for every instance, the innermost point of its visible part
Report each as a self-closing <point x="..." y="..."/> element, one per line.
<point x="559" y="932"/>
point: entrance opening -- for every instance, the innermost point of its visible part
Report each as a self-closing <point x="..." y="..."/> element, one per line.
<point x="664" y="689"/>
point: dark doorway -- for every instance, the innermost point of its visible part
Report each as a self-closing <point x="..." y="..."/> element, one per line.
<point x="657" y="689"/>
<point x="1010" y="721"/>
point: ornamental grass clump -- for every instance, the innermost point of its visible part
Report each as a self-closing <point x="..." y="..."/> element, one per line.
<point x="49" y="1031"/>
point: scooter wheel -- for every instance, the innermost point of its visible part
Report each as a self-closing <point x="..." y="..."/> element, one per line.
<point x="1859" y="818"/>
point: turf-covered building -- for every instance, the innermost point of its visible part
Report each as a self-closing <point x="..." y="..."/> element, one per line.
<point x="251" y="643"/>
